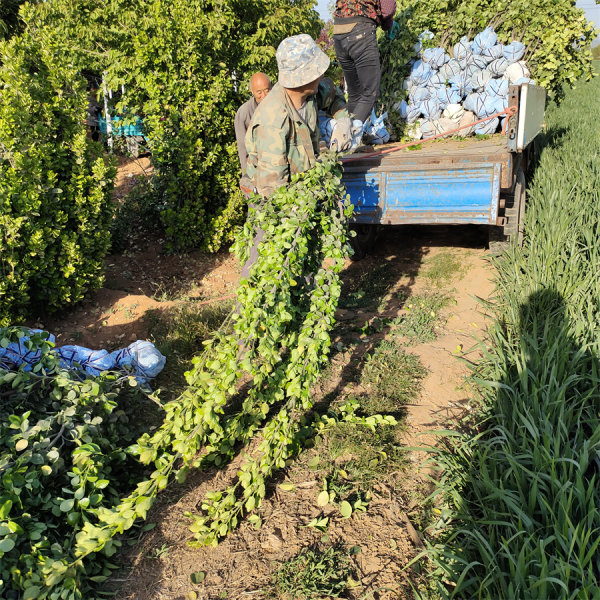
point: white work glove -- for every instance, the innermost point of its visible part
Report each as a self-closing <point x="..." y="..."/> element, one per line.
<point x="341" y="136"/>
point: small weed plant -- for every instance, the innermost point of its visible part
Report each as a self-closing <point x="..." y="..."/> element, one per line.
<point x="421" y="317"/>
<point x="314" y="573"/>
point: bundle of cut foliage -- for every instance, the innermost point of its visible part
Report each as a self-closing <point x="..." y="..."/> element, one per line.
<point x="63" y="439"/>
<point x="55" y="185"/>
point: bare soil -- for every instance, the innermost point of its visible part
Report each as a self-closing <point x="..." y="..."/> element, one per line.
<point x="159" y="565"/>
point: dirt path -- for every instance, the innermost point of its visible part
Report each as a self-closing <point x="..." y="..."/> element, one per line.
<point x="144" y="282"/>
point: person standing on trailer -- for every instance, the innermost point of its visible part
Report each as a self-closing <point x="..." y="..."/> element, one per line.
<point x="260" y="86"/>
<point x="355" y="42"/>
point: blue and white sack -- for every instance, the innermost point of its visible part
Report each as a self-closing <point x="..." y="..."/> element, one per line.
<point x="17" y="353"/>
<point x="472" y="101"/>
<point x="497" y="88"/>
<point x="493" y="53"/>
<point x="487" y="127"/>
<point x="421" y="73"/>
<point x="513" y="52"/>
<point x="401" y="108"/>
<point x="431" y="109"/>
<point x="462" y="84"/>
<point x="448" y="95"/>
<point x="141" y="358"/>
<point x="484" y="40"/>
<point x="498" y="67"/>
<point x="326" y="125"/>
<point x="93" y="362"/>
<point x="479" y="61"/>
<point x="376" y="129"/>
<point x="516" y="71"/>
<point x="435" y="57"/>
<point x="419" y="94"/>
<point x="462" y="49"/>
<point x="454" y="112"/>
<point x="450" y="69"/>
<point x="480" y="79"/>
<point x="413" y="112"/>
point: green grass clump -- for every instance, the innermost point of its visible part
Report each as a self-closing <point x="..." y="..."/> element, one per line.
<point x="314" y="573"/>
<point x="522" y="496"/>
<point x="421" y="316"/>
<point x="392" y="378"/>
<point x="443" y="268"/>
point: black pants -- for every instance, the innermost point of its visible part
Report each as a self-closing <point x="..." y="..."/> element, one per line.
<point x="358" y="55"/>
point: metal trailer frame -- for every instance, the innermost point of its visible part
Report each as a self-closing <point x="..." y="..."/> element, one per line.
<point x="450" y="181"/>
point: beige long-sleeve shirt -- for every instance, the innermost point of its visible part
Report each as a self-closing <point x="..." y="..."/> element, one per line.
<point x="241" y="123"/>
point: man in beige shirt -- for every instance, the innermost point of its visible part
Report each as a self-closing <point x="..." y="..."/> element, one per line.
<point x="260" y="85"/>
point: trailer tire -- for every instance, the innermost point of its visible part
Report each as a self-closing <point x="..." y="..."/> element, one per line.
<point x="362" y="243"/>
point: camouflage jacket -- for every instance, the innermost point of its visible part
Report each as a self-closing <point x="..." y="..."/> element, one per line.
<point x="280" y="143"/>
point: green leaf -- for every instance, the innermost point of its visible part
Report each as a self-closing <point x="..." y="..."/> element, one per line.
<point x="197" y="577"/>
<point x="7" y="544"/>
<point x="323" y="498"/>
<point x="66" y="505"/>
<point x="345" y="509"/>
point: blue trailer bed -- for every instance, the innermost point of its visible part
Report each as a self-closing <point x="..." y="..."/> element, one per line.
<point x="449" y="181"/>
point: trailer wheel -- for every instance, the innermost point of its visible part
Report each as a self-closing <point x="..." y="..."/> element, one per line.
<point x="362" y="243"/>
<point x="514" y="213"/>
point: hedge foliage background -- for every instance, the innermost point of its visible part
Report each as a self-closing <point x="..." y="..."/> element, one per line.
<point x="55" y="184"/>
<point x="185" y="66"/>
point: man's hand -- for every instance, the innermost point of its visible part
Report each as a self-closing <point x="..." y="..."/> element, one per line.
<point x="341" y="136"/>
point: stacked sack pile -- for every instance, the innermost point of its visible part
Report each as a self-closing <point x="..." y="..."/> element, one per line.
<point x="446" y="92"/>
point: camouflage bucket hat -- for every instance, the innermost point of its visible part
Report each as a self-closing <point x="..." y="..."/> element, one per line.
<point x="300" y="61"/>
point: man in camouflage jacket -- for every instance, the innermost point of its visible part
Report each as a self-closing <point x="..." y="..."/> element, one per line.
<point x="283" y="136"/>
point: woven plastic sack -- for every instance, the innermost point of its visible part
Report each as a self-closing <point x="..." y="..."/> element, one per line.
<point x="453" y="112"/>
<point x="376" y="129"/>
<point x="448" y="95"/>
<point x="498" y="67"/>
<point x="493" y="53"/>
<point x="468" y="118"/>
<point x="516" y="71"/>
<point x="435" y="57"/>
<point x="428" y="128"/>
<point x="431" y="109"/>
<point x="425" y="35"/>
<point x="497" y="88"/>
<point x="487" y="127"/>
<point x="480" y="79"/>
<point x="419" y="94"/>
<point x="401" y="108"/>
<point x="450" y="69"/>
<point x="413" y="112"/>
<point x="407" y="84"/>
<point x="421" y="73"/>
<point x="462" y="49"/>
<point x="524" y="80"/>
<point x="141" y="358"/>
<point x="93" y="362"/>
<point x="472" y="100"/>
<point x="478" y="61"/>
<point x="326" y="125"/>
<point x="513" y="52"/>
<point x="17" y="353"/>
<point x="484" y="40"/>
<point x="437" y="80"/>
<point x="462" y="84"/>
